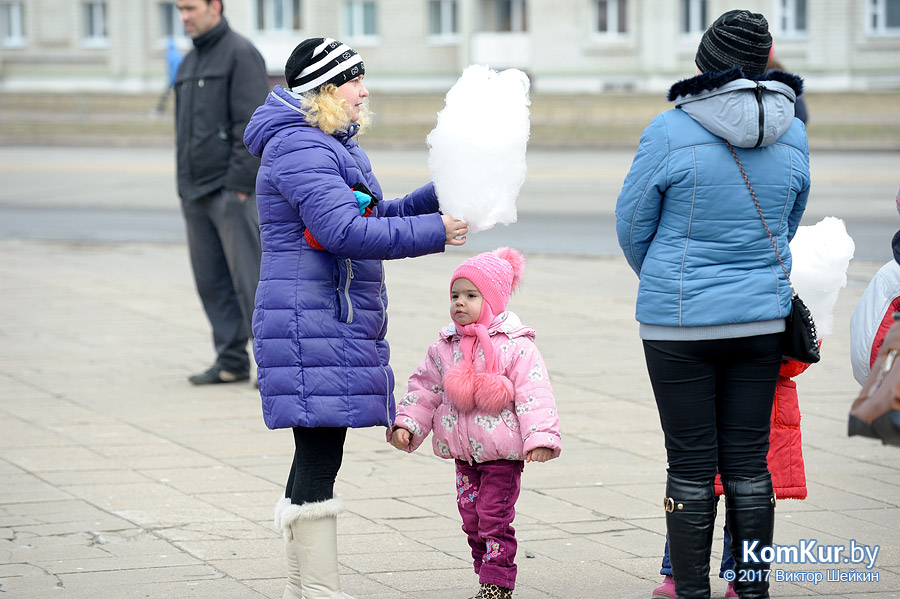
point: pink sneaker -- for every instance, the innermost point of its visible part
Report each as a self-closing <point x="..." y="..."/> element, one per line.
<point x="729" y="592"/>
<point x="666" y="590"/>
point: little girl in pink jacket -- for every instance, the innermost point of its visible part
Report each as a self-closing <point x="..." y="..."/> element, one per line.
<point x="484" y="391"/>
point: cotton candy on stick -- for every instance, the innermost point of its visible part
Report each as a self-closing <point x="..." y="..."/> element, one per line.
<point x="477" y="148"/>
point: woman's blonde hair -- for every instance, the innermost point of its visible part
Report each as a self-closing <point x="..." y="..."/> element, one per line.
<point x="325" y="109"/>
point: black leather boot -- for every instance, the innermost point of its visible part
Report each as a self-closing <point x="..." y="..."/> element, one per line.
<point x="750" y="515"/>
<point x="690" y="520"/>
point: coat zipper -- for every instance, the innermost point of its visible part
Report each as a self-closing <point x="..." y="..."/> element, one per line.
<point x="381" y="299"/>
<point x="387" y="397"/>
<point x="759" y="103"/>
<point x="387" y="379"/>
<point x="347" y="289"/>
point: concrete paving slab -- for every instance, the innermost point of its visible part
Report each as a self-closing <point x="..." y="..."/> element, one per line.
<point x="19" y="487"/>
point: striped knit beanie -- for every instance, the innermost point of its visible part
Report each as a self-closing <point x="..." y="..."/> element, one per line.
<point x="739" y="38"/>
<point x="321" y="60"/>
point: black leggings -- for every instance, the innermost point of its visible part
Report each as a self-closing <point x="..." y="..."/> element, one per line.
<point x="317" y="458"/>
<point x="715" y="403"/>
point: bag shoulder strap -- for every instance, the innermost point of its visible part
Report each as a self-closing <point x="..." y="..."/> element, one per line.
<point x="761" y="216"/>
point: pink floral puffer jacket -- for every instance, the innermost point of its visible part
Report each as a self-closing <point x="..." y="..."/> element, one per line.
<point x="529" y="421"/>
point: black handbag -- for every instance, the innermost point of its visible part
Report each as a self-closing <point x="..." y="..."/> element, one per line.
<point x="799" y="341"/>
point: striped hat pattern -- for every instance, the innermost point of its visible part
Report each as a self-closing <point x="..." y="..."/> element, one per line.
<point x="318" y="61"/>
<point x="739" y="38"/>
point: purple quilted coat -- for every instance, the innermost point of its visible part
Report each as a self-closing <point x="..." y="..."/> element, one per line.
<point x="320" y="319"/>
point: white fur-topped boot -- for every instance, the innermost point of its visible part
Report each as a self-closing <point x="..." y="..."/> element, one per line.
<point x="310" y="531"/>
<point x="292" y="589"/>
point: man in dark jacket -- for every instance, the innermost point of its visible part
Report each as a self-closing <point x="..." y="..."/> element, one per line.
<point x="218" y="86"/>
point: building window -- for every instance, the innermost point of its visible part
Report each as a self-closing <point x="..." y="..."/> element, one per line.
<point x="279" y="15"/>
<point x="95" y="24"/>
<point x="792" y="17"/>
<point x="694" y="16"/>
<point x="611" y="17"/>
<point x="504" y="15"/>
<point x="443" y="18"/>
<point x="360" y="20"/>
<point x="170" y="24"/>
<point x="884" y="17"/>
<point x="12" y="24"/>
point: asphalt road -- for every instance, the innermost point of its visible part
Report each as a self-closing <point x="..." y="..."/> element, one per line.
<point x="565" y="207"/>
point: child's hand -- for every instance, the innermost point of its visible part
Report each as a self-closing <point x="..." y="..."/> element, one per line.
<point x="539" y="454"/>
<point x="400" y="438"/>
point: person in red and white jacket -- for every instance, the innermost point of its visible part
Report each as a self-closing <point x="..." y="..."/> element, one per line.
<point x="873" y="315"/>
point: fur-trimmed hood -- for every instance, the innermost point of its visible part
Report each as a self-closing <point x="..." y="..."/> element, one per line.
<point x="747" y="111"/>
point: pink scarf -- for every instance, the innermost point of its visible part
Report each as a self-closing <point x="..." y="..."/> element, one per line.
<point x="489" y="391"/>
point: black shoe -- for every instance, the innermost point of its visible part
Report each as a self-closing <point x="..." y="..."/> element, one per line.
<point x="216" y="374"/>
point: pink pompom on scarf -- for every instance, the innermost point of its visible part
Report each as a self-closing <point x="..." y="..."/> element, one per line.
<point x="495" y="274"/>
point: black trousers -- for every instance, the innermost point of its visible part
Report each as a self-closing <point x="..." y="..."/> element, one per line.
<point x="318" y="453"/>
<point x="715" y="402"/>
<point x="223" y="239"/>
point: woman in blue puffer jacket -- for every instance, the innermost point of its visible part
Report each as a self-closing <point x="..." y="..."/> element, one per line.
<point x="713" y="297"/>
<point x="320" y="319"/>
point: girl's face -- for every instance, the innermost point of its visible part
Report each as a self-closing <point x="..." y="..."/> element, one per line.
<point x="353" y="93"/>
<point x="465" y="302"/>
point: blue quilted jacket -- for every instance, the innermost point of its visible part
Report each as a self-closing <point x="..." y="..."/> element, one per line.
<point x="320" y="319"/>
<point x="686" y="221"/>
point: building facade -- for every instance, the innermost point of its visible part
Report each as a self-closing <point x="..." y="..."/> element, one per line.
<point x="566" y="46"/>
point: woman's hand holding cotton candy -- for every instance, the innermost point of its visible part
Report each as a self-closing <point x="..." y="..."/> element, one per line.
<point x="456" y="230"/>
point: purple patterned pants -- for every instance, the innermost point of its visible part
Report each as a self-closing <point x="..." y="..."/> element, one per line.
<point x="486" y="496"/>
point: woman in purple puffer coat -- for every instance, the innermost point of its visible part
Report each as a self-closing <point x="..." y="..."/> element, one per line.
<point x="320" y="319"/>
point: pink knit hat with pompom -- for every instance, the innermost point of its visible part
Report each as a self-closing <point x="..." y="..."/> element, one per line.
<point x="495" y="274"/>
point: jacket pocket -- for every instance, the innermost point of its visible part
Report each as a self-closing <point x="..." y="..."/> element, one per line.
<point x="344" y="267"/>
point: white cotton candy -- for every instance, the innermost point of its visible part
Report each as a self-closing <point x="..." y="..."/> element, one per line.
<point x="821" y="254"/>
<point x="477" y="148"/>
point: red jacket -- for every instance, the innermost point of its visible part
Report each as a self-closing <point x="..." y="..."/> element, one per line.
<point x="785" y="448"/>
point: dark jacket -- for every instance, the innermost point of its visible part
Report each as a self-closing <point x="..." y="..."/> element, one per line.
<point x="218" y="86"/>
<point x="321" y="315"/>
